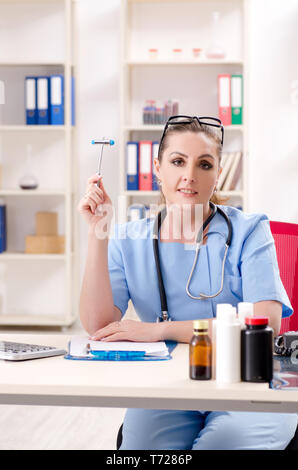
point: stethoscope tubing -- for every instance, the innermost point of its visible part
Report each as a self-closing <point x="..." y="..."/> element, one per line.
<point x="157" y="224"/>
<point x="205" y="296"/>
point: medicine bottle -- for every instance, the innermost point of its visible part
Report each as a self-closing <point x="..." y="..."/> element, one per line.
<point x="200" y="352"/>
<point x="256" y="350"/>
<point x="215" y="50"/>
<point x="28" y="180"/>
<point x="228" y="330"/>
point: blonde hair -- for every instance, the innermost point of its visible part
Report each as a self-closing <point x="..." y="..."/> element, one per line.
<point x="195" y="127"/>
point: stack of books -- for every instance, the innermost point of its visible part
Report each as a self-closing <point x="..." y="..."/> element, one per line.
<point x="231" y="163"/>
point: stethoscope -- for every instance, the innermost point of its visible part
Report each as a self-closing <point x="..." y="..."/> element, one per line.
<point x="156" y="228"/>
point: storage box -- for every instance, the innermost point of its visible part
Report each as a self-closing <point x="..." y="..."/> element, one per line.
<point x="46" y="223"/>
<point x="44" y="244"/>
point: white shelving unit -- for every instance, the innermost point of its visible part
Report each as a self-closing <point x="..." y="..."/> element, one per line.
<point x="166" y="24"/>
<point x="183" y="62"/>
<point x="41" y="289"/>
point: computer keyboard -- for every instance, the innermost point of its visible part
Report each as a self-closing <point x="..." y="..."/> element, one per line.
<point x="11" y="351"/>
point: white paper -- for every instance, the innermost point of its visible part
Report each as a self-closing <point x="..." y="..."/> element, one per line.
<point x="145" y="158"/>
<point x="42" y="93"/>
<point x="30" y="94"/>
<point x="56" y="91"/>
<point x="236" y="92"/>
<point x="78" y="347"/>
<point x="224" y="92"/>
<point x="132" y="153"/>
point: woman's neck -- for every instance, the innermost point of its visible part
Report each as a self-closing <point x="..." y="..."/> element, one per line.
<point x="182" y="226"/>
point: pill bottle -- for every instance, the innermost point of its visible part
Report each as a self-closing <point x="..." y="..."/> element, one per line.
<point x="153" y="54"/>
<point x="256" y="350"/>
<point x="215" y="49"/>
<point x="228" y="331"/>
<point x="177" y="54"/>
<point x="196" y="53"/>
<point x="200" y="352"/>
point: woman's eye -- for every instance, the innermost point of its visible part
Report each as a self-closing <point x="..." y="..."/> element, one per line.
<point x="177" y="162"/>
<point x="206" y="165"/>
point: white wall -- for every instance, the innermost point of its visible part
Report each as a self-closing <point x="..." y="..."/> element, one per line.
<point x="273" y="108"/>
<point x="98" y="64"/>
<point x="272" y="102"/>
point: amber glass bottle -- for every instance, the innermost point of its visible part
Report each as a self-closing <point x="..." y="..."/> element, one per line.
<point x="200" y="352"/>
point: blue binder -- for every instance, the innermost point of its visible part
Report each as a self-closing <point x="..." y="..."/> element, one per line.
<point x="132" y="165"/>
<point x="2" y="227"/>
<point x="31" y="100"/>
<point x="155" y="147"/>
<point x="57" y="99"/>
<point x="43" y="100"/>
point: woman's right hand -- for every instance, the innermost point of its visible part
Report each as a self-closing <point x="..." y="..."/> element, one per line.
<point x="96" y="204"/>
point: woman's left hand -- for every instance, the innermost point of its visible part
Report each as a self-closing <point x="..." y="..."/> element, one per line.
<point x="128" y="330"/>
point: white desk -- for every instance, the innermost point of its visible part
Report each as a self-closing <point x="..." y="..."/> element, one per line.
<point x="161" y="384"/>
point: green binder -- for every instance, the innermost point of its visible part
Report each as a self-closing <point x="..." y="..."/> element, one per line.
<point x="237" y="98"/>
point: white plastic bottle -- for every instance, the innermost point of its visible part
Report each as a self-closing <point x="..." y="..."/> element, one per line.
<point x="228" y="352"/>
<point x="245" y="309"/>
<point x="215" y="50"/>
<point x="219" y="307"/>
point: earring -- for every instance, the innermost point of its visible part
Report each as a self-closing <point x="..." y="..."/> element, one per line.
<point x="159" y="182"/>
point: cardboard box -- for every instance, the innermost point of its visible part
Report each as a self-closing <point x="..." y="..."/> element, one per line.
<point x="46" y="223"/>
<point x="44" y="244"/>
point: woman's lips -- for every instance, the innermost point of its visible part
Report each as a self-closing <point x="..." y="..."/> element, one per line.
<point x="187" y="194"/>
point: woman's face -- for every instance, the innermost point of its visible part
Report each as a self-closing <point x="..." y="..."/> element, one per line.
<point x="189" y="169"/>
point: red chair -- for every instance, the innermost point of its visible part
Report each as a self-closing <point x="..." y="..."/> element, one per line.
<point x="286" y="241"/>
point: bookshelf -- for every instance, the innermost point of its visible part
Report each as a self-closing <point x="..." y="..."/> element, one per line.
<point x="166" y="24"/>
<point x="184" y="62"/>
<point x="40" y="289"/>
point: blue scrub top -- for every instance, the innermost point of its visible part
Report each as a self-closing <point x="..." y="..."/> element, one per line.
<point x="251" y="269"/>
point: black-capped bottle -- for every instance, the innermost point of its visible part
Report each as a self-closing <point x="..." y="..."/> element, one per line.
<point x="256" y="350"/>
<point x="200" y="352"/>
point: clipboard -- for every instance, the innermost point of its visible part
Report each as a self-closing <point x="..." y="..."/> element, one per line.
<point x="121" y="355"/>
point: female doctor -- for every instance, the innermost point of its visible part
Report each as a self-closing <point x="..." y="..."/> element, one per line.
<point x="123" y="267"/>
